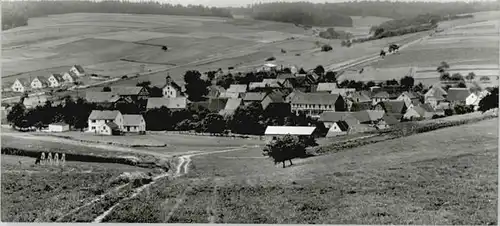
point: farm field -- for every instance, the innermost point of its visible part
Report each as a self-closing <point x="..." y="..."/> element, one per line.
<point x="446" y="176"/>
<point x="45" y="193"/>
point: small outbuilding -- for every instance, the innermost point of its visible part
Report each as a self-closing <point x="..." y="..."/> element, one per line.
<point x="279" y="131"/>
<point x="58" y="127"/>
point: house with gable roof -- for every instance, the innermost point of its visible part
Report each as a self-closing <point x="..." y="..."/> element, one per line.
<point x="395" y="108"/>
<point x="461" y="96"/>
<point x="313" y="104"/>
<point x="69" y="77"/>
<point x="275" y="103"/>
<point x="435" y="95"/>
<point x="77" y="70"/>
<point x="326" y="87"/>
<point x="103" y="99"/>
<point x="361" y="99"/>
<point x="134" y="93"/>
<point x="21" y="85"/>
<point x="251" y="97"/>
<point x="410" y="98"/>
<point x="237" y="88"/>
<point x="134" y="124"/>
<point x="55" y="80"/>
<point x="39" y="82"/>
<point x="231" y="105"/>
<point x="174" y="103"/>
<point x="379" y="97"/>
<point x="105" y="122"/>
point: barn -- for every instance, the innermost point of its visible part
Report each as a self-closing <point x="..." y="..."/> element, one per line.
<point x="278" y="131"/>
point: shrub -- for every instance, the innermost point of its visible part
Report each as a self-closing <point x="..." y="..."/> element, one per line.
<point x="271" y="59"/>
<point x="326" y="48"/>
<point x="124" y="77"/>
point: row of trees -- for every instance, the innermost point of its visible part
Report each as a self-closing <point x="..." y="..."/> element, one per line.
<point x="331" y="33"/>
<point x="16" y="13"/>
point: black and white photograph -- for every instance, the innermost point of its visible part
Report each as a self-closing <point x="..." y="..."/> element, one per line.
<point x="335" y="112"/>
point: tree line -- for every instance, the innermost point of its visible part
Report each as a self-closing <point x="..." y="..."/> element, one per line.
<point x="17" y="13"/>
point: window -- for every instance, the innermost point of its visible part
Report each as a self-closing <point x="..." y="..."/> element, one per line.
<point x="93" y="127"/>
<point x="93" y="121"/>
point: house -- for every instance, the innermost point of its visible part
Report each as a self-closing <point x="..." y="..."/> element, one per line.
<point x="343" y="91"/>
<point x="58" y="127"/>
<point x="379" y="97"/>
<point x="337" y="129"/>
<point x="313" y="104"/>
<point x="279" y="131"/>
<point x="410" y="98"/>
<point x="175" y="103"/>
<point x="369" y="116"/>
<point x="77" y="70"/>
<point x="70" y="77"/>
<point x="39" y="83"/>
<point x="360" y="99"/>
<point x="395" y="108"/>
<point x="266" y="83"/>
<point x="390" y="120"/>
<point x="215" y="91"/>
<point x="104" y="99"/>
<point x="461" y="96"/>
<point x="274" y="104"/>
<point x="426" y="111"/>
<point x="413" y="114"/>
<point x="237" y="88"/>
<point x="55" y="80"/>
<point x="134" y="124"/>
<point x="171" y="89"/>
<point x="480" y="96"/>
<point x="435" y="95"/>
<point x="227" y="94"/>
<point x="361" y="121"/>
<point x="326" y="87"/>
<point x="105" y="122"/>
<point x="251" y="97"/>
<point x="329" y="118"/>
<point x="231" y="105"/>
<point x="217" y="104"/>
<point x="134" y="93"/>
<point x="34" y="101"/>
<point x="21" y="85"/>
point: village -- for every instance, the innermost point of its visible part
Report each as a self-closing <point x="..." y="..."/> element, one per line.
<point x="331" y="108"/>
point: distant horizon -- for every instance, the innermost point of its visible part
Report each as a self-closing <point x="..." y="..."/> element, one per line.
<point x="244" y="3"/>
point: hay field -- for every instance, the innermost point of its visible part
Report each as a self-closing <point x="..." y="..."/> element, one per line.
<point x="446" y="176"/>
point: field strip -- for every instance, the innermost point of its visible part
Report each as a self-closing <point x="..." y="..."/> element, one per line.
<point x="99" y="198"/>
<point x="212" y="206"/>
<point x="179" y="201"/>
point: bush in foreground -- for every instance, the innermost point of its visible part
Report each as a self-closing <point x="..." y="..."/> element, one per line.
<point x="285" y="149"/>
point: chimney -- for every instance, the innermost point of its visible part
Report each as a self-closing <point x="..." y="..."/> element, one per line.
<point x="168" y="79"/>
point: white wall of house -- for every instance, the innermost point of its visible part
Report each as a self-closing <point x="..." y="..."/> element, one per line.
<point x="99" y="126"/>
<point x="67" y="78"/>
<point x="377" y="100"/>
<point x="134" y="128"/>
<point x="471" y="99"/>
<point x="37" y="84"/>
<point x="170" y="92"/>
<point x="335" y="131"/>
<point x="58" y="128"/>
<point x="53" y="82"/>
<point x="76" y="72"/>
<point x="18" y="87"/>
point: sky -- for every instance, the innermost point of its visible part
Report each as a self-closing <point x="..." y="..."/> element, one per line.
<point x="236" y="3"/>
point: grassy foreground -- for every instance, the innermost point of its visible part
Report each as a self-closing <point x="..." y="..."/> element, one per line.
<point x="447" y="176"/>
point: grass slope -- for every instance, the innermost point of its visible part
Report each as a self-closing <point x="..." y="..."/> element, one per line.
<point x="447" y="176"/>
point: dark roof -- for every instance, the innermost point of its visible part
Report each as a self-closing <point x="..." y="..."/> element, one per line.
<point x="343" y="125"/>
<point x="285" y="76"/>
<point x="276" y="97"/>
<point x="315" y="98"/>
<point x="217" y="104"/>
<point x="170" y="103"/>
<point x="58" y="77"/>
<point x="254" y="96"/>
<point x="43" y="80"/>
<point x="393" y="106"/>
<point x="215" y="91"/>
<point x="381" y="94"/>
<point x="103" y="115"/>
<point x="359" y="97"/>
<point x="100" y="97"/>
<point x="113" y="126"/>
<point x="458" y="94"/>
<point x="368" y="115"/>
<point x="79" y="68"/>
<point x="333" y="116"/>
<point x="127" y="90"/>
<point x="390" y="119"/>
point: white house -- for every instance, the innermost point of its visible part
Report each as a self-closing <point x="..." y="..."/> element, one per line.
<point x="58" y="127"/>
<point x="34" y="101"/>
<point x="77" y="70"/>
<point x="39" y="83"/>
<point x="435" y="96"/>
<point x="278" y="131"/>
<point x="461" y="96"/>
<point x="134" y="124"/>
<point x="337" y="129"/>
<point x="55" y="80"/>
<point x="105" y="122"/>
<point x="69" y="77"/>
<point x="21" y="85"/>
<point x="171" y="89"/>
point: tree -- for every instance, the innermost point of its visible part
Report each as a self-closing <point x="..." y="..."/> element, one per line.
<point x="442" y="67"/>
<point x="164" y="48"/>
<point x="490" y="101"/>
<point x="392" y="82"/>
<point x="470" y="76"/>
<point x="106" y="89"/>
<point x="213" y="123"/>
<point x="445" y="76"/>
<point x="457" y="77"/>
<point x="248" y="120"/>
<point x="326" y="48"/>
<point x="285" y="149"/>
<point x="407" y="82"/>
<point x="461" y="85"/>
<point x="331" y="76"/>
<point x="419" y="87"/>
<point x="320" y="70"/>
<point x="302" y="71"/>
<point x="211" y="75"/>
<point x="196" y="88"/>
<point x="355" y="107"/>
<point x="225" y="81"/>
<point x="16" y="115"/>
